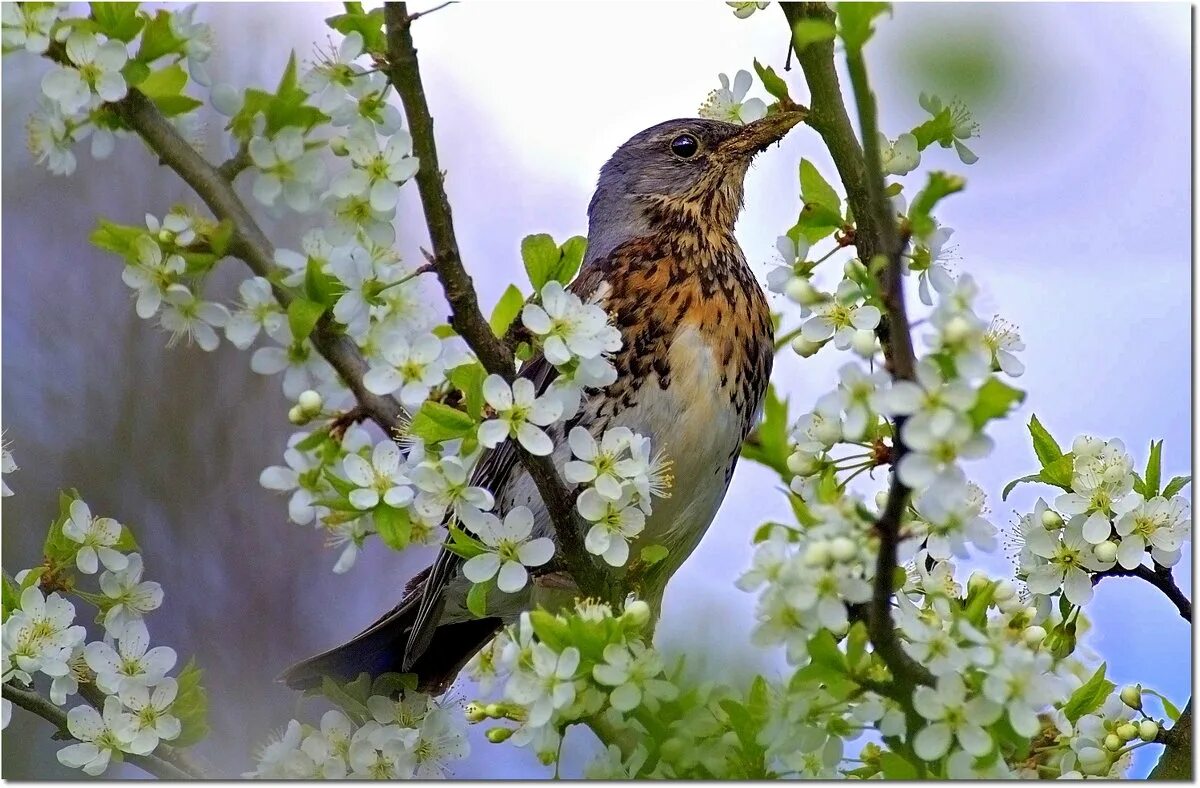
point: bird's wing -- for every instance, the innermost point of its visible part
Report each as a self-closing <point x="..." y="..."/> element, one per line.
<point x="492" y="473"/>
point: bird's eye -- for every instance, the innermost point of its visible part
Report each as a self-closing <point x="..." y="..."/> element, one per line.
<point x="685" y="146"/>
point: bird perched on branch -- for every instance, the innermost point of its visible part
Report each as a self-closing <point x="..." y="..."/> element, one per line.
<point x="696" y="356"/>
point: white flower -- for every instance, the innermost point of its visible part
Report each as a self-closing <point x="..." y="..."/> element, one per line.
<point x="900" y="157"/>
<point x="198" y="42"/>
<point x="1003" y="340"/>
<point x="187" y="315"/>
<point x="50" y="134"/>
<point x="132" y="663"/>
<point x="96" y="535"/>
<point x="1157" y="524"/>
<point x="377" y="173"/>
<point x="597" y="463"/>
<point x="1092" y="503"/>
<point x="413" y="367"/>
<point x="964" y="126"/>
<point x="933" y="453"/>
<point x="1067" y="558"/>
<point x="440" y="739"/>
<point x="279" y="758"/>
<point x="151" y="275"/>
<point x="27" y="27"/>
<point x="40" y="636"/>
<point x="259" y="311"/>
<point x="519" y="414"/>
<point x="378" y="753"/>
<point x="615" y="524"/>
<point x="509" y="546"/>
<point x="933" y="402"/>
<point x="1024" y="683"/>
<point x="568" y="327"/>
<point x="861" y="395"/>
<point x="953" y="716"/>
<point x="351" y="534"/>
<point x="128" y="597"/>
<point x="951" y="508"/>
<point x="335" y="75"/>
<point x="302" y="366"/>
<point x="150" y="714"/>
<point x="7" y="465"/>
<point x="177" y="228"/>
<point x="742" y="10"/>
<point x="729" y="103"/>
<point x="633" y="671"/>
<point x="841" y="317"/>
<point x="380" y="479"/>
<point x="444" y="484"/>
<point x="286" y="169"/>
<point x="99" y="737"/>
<point x="549" y="686"/>
<point x="97" y="70"/>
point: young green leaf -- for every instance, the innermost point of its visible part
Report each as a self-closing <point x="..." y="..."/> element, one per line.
<point x="468" y="378"/>
<point x="394" y="526"/>
<point x="1090" y="696"/>
<point x="815" y="190"/>
<point x="811" y="31"/>
<point x="855" y="21"/>
<point x="506" y="310"/>
<point x="117" y="20"/>
<point x="540" y="255"/>
<point x="1175" y="486"/>
<point x="1044" y="445"/>
<point x="168" y="81"/>
<point x="772" y="81"/>
<point x="190" y="706"/>
<point x="572" y="250"/>
<point x="436" y="422"/>
<point x="303" y="316"/>
<point x="1153" y="476"/>
<point x="994" y="401"/>
<point x="477" y="599"/>
<point x="941" y="184"/>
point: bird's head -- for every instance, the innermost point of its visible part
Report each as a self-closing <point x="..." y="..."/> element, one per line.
<point x="690" y="169"/>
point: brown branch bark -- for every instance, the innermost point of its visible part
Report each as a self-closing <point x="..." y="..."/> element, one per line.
<point x="875" y="235"/>
<point x="403" y="70"/>
<point x="1176" y="760"/>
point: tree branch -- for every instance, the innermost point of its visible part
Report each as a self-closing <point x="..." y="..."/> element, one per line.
<point x="1162" y="580"/>
<point x="158" y="763"/>
<point x="876" y="235"/>
<point x="1176" y="760"/>
<point x="404" y="73"/>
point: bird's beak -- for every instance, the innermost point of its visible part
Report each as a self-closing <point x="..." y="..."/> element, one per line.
<point x="757" y="136"/>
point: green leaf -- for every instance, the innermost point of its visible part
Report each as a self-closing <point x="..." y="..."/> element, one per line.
<point x="391" y="685"/>
<point x="1060" y="471"/>
<point x="303" y="316"/>
<point x="477" y="599"/>
<point x="1044" y="445"/>
<point x="855" y="21"/>
<point x="506" y="310"/>
<point x="394" y="526"/>
<point x="58" y="549"/>
<point x="116" y="238"/>
<point x="468" y="378"/>
<point x="1033" y="477"/>
<point x="10" y="600"/>
<point x="1175" y="486"/>
<point x="367" y="24"/>
<point x="220" y="238"/>
<point x="941" y="184"/>
<point x="1169" y="708"/>
<point x="939" y="129"/>
<point x="320" y="287"/>
<point x="117" y="20"/>
<point x="158" y="39"/>
<point x="344" y="699"/>
<point x="896" y="767"/>
<point x="772" y="81"/>
<point x="815" y="190"/>
<point x="436" y="422"/>
<point x="823" y="650"/>
<point x="856" y="643"/>
<point x="315" y="439"/>
<point x="811" y="31"/>
<point x="1153" y="476"/>
<point x="540" y="255"/>
<point x="653" y="553"/>
<point x="463" y="544"/>
<point x="172" y="106"/>
<point x="190" y="706"/>
<point x="134" y="71"/>
<point x="1089" y="696"/>
<point x="168" y="81"/>
<point x="770" y="439"/>
<point x="994" y="401"/>
<point x="572" y="250"/>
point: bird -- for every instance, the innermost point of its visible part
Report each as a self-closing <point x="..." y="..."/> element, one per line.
<point x="697" y="349"/>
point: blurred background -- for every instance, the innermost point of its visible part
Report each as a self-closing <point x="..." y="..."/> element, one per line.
<point x="1076" y="222"/>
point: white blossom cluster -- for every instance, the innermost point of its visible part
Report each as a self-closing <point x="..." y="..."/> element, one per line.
<point x="391" y="738"/>
<point x="729" y="102"/>
<point x="40" y="636"/>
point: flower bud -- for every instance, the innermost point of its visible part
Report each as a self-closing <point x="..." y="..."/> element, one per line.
<point x="493" y="710"/>
<point x="801" y="291"/>
<point x="956" y="329"/>
<point x="977" y="581"/>
<point x="1127" y="731"/>
<point x="1005" y="591"/>
<point x="1148" y="730"/>
<point x="1106" y="552"/>
<point x="473" y="712"/>
<point x="637" y="613"/>
<point x="498" y="735"/>
<point x="297" y="416"/>
<point x="818" y="553"/>
<point x="1113" y="742"/>
<point x="881" y="499"/>
<point x="802" y="464"/>
<point x="1033" y="635"/>
<point x="673" y="749"/>
<point x="1131" y="696"/>
<point x="310" y="402"/>
<point x="1051" y="519"/>
<point x="863" y="342"/>
<point x="843" y="548"/>
<point x="854" y="269"/>
<point x="337" y="145"/>
<point x="804" y="348"/>
<point x="1093" y="760"/>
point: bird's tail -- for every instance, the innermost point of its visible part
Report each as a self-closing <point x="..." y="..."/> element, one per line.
<point x="380" y="648"/>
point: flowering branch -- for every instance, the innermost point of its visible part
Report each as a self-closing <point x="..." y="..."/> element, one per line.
<point x="465" y="316"/>
<point x="1176" y="760"/>
<point x="161" y="767"/>
<point x="249" y="243"/>
<point x="876" y="234"/>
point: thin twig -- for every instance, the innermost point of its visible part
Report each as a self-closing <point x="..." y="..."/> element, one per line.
<point x="1163" y="581"/>
<point x="876" y="234"/>
<point x="465" y="316"/>
<point x="418" y="14"/>
<point x="156" y="763"/>
<point x="234" y="165"/>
